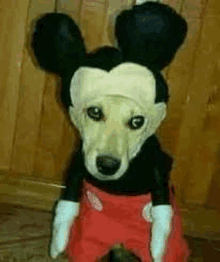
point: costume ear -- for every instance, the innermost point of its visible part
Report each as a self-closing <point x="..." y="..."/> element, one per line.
<point x="150" y="34"/>
<point x="57" y="43"/>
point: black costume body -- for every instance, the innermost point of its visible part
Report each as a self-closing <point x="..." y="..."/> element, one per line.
<point x="148" y="172"/>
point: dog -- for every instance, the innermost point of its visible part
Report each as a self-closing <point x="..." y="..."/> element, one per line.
<point x="118" y="188"/>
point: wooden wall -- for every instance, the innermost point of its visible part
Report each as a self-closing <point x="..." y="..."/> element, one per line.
<point x="191" y="131"/>
<point x="36" y="138"/>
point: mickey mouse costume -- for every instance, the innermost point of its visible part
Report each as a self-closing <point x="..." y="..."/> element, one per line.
<point x="137" y="209"/>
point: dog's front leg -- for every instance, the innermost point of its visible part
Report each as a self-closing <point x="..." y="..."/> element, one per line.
<point x="161" y="229"/>
<point x="65" y="215"/>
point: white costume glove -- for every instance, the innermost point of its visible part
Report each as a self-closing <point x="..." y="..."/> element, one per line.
<point x="161" y="229"/>
<point x="65" y="214"/>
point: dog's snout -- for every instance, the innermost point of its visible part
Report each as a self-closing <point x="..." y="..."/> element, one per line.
<point x="107" y="165"/>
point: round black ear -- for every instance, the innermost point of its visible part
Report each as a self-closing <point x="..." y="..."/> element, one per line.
<point x="150" y="34"/>
<point x="57" y="43"/>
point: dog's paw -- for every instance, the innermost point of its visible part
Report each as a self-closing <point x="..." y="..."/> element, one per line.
<point x="161" y="229"/>
<point x="65" y="214"/>
<point x="59" y="240"/>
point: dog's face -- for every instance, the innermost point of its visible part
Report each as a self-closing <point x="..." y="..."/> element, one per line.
<point x="113" y="129"/>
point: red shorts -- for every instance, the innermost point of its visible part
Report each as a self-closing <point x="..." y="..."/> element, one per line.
<point x="107" y="219"/>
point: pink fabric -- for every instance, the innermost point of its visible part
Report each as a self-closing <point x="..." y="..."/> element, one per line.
<point x="119" y="221"/>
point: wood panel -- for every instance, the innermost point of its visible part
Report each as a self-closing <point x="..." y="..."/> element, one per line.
<point x="12" y="30"/>
<point x="176" y="4"/>
<point x="49" y="133"/>
<point x="178" y="76"/>
<point x="213" y="196"/>
<point x="97" y="20"/>
<point x="56" y="136"/>
<point x="190" y="131"/>
<point x="92" y="17"/>
<point x="206" y="104"/>
<point x="211" y="122"/>
<point x="71" y="8"/>
<point x="31" y="90"/>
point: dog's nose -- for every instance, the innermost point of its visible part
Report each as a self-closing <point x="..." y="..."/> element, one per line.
<point x="107" y="165"/>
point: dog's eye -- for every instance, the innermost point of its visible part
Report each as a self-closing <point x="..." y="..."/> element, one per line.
<point x="136" y="122"/>
<point x="95" y="113"/>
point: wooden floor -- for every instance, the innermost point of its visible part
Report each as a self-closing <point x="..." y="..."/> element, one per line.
<point x="25" y="234"/>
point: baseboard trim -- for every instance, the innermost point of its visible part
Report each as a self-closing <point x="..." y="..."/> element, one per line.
<point x="21" y="190"/>
<point x="201" y="222"/>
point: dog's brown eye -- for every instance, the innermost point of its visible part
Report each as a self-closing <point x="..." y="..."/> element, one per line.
<point x="136" y="122"/>
<point x="95" y="113"/>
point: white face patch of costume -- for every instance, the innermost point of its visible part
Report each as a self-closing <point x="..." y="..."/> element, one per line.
<point x="128" y="80"/>
<point x="135" y="84"/>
